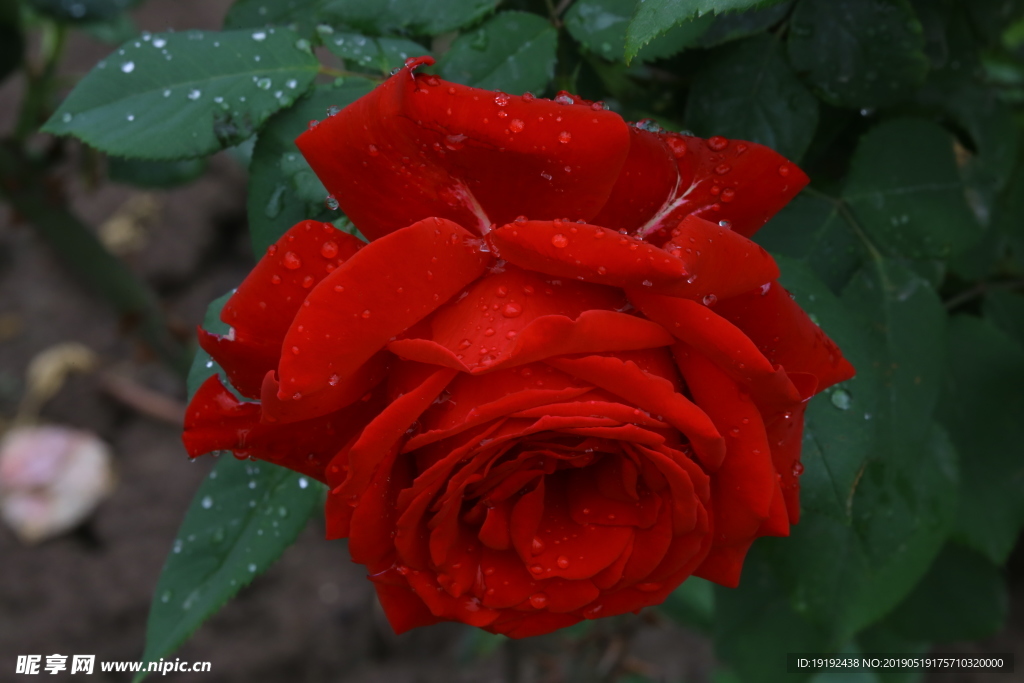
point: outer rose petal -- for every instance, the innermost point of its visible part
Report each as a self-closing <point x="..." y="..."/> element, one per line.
<point x="719" y="180"/>
<point x="380" y="292"/>
<point x="725" y="344"/>
<point x="262" y="308"/>
<point x="216" y="420"/>
<point x="786" y="335"/>
<point x="586" y="252"/>
<point x="464" y="154"/>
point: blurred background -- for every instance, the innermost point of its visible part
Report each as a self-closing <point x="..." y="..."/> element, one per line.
<point x="70" y="358"/>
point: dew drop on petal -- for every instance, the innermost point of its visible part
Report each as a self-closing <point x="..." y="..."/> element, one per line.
<point x="560" y="241"/>
<point x="291" y="261"/>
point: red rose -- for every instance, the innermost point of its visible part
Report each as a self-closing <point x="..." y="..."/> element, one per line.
<point x="558" y="381"/>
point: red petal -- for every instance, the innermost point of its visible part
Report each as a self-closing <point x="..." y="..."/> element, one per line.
<point x="384" y="289"/>
<point x="654" y="395"/>
<point x="647" y="178"/>
<point x="558" y="546"/>
<point x="385" y="433"/>
<point x="740" y="182"/>
<point x="586" y="252"/>
<point x="743" y="487"/>
<point x="785" y="434"/>
<point x="724" y="344"/>
<point x="216" y="420"/>
<point x="403" y="608"/>
<point x="590" y="504"/>
<point x="786" y="335"/>
<point x="722" y="263"/>
<point x="270" y="296"/>
<point x="464" y="154"/>
<point x="518" y="625"/>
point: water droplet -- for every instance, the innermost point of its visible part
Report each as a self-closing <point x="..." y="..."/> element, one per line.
<point x="560" y="241"/>
<point x="66" y="118"/>
<point x="207" y="502"/>
<point x="166" y="596"/>
<point x="512" y="310"/>
<point x="331" y="202"/>
<point x="784" y="170"/>
<point x="329" y="249"/>
<point x="252" y="567"/>
<point x="722" y="169"/>
<point x="798" y="468"/>
<point x="647" y="283"/>
<point x="263" y="83"/>
<point x="259" y="36"/>
<point x="292" y="261"/>
<point x="366" y="314"/>
<point x="562" y="561"/>
<point x="564" y="98"/>
<point x="516" y="125"/>
<point x="501" y="99"/>
<point x="194" y="94"/>
<point x="841" y="399"/>
<point x="159" y="42"/>
<point x="717" y="143"/>
<point x="128" y="67"/>
<point x="710" y="300"/>
<point x="537" y="546"/>
<point x="539" y="600"/>
<point x="130" y="117"/>
<point x="565" y="137"/>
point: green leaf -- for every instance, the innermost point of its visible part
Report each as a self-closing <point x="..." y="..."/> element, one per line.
<point x="858" y="53"/>
<point x="600" y="26"/>
<point x="301" y="15"/>
<point x="755" y="626"/>
<point x="283" y="189"/>
<point x="421" y="17"/>
<point x="379" y="54"/>
<point x="905" y="191"/>
<point x="179" y="95"/>
<point x="962" y="597"/>
<point x="814" y="230"/>
<point x="908" y="325"/>
<point x="981" y="406"/>
<point x="957" y="91"/>
<point x="879" y="484"/>
<point x="839" y="426"/>
<point x="1006" y="310"/>
<point x="651" y="18"/>
<point x="513" y="52"/>
<point x="748" y="91"/>
<point x="154" y="174"/>
<point x="82" y="10"/>
<point x="692" y="604"/>
<point x="240" y="521"/>
<point x="736" y="25"/>
<point x="844" y="576"/>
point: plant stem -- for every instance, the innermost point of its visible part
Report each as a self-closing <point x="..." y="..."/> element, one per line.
<point x="980" y="289"/>
<point x="23" y="185"/>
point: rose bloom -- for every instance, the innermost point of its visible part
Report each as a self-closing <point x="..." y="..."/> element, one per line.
<point x="559" y="380"/>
